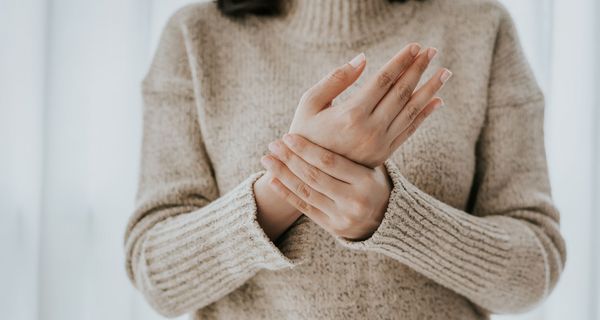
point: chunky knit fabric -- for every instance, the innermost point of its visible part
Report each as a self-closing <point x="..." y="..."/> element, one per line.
<point x="470" y="228"/>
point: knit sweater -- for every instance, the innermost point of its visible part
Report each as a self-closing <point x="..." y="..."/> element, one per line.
<point x="470" y="228"/>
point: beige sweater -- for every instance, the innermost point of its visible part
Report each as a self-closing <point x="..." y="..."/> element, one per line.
<point x="470" y="228"/>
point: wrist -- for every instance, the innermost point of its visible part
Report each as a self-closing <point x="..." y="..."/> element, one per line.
<point x="389" y="185"/>
<point x="384" y="172"/>
<point x="263" y="191"/>
<point x="274" y="214"/>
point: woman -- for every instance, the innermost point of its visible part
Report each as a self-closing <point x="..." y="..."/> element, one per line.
<point x="266" y="193"/>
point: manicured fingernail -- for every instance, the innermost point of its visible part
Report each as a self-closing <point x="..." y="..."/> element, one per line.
<point x="289" y="140"/>
<point x="431" y="52"/>
<point x="439" y="104"/>
<point x="274" y="147"/>
<point x="414" y="49"/>
<point x="446" y="74"/>
<point x="358" y="60"/>
<point x="266" y="161"/>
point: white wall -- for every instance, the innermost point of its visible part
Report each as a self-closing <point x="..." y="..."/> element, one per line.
<point x="573" y="148"/>
<point x="559" y="38"/>
<point x="22" y="65"/>
<point x="70" y="119"/>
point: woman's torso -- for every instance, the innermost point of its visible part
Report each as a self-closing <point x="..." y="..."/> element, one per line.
<point x="247" y="98"/>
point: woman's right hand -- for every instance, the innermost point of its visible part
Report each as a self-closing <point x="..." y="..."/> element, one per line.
<point x="371" y="124"/>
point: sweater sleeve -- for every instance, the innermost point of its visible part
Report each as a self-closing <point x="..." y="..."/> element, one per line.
<point x="186" y="246"/>
<point x="506" y="253"/>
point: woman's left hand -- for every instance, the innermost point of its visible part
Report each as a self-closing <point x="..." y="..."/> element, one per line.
<point x="345" y="198"/>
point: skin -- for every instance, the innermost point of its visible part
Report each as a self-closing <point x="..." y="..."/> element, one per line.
<point x="333" y="157"/>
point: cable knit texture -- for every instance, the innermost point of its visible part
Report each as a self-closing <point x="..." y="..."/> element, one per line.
<point x="470" y="228"/>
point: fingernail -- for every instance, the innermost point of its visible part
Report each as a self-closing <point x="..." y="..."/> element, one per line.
<point x="358" y="60"/>
<point x="414" y="50"/>
<point x="289" y="140"/>
<point x="266" y="161"/>
<point x="446" y="74"/>
<point x="439" y="104"/>
<point x="431" y="52"/>
<point x="274" y="147"/>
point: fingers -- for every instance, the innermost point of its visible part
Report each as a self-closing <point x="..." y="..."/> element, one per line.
<point x="418" y="102"/>
<point x="394" y="101"/>
<point x="412" y="127"/>
<point x="313" y="213"/>
<point x="331" y="163"/>
<point x="322" y="93"/>
<point x="376" y="88"/>
<point x="309" y="196"/>
<point x="315" y="178"/>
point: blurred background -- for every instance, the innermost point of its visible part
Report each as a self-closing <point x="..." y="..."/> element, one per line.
<point x="70" y="128"/>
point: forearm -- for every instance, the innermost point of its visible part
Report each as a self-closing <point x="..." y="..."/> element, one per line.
<point x="177" y="252"/>
<point x="274" y="214"/>
<point x="503" y="261"/>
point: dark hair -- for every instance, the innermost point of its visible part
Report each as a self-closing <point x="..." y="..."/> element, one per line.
<point x="236" y="8"/>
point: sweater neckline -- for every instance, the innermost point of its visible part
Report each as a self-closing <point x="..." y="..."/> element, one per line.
<point x="339" y="23"/>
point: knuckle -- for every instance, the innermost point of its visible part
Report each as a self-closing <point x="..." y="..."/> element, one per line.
<point x="384" y="79"/>
<point x="412" y="128"/>
<point x="285" y="193"/>
<point x="301" y="205"/>
<point x="413" y="112"/>
<point x="327" y="159"/>
<point x="338" y="75"/>
<point x="284" y="155"/>
<point x="404" y="92"/>
<point x="299" y="145"/>
<point x="313" y="175"/>
<point x="304" y="190"/>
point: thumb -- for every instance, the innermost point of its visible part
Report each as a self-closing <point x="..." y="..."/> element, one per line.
<point x="321" y="94"/>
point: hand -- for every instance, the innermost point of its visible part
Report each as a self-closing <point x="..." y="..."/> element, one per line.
<point x="343" y="197"/>
<point x="370" y="125"/>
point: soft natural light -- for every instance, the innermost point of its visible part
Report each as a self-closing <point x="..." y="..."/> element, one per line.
<point x="70" y="127"/>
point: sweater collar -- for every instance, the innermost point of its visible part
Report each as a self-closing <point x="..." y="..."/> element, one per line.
<point x="340" y="22"/>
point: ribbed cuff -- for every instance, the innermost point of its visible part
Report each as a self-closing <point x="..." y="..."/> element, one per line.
<point x="203" y="255"/>
<point x="463" y="252"/>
